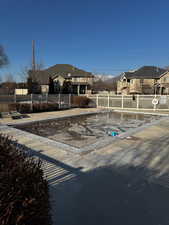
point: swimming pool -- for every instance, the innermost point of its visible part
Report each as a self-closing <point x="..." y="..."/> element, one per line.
<point x="86" y="131"/>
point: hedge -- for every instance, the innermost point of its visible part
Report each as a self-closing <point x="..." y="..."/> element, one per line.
<point x="36" y="107"/>
<point x="80" y="101"/>
<point x="24" y="197"/>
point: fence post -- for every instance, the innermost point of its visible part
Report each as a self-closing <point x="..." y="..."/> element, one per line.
<point x="155" y="104"/>
<point x="59" y="100"/>
<point x="108" y="101"/>
<point x="46" y="97"/>
<point x="122" y="101"/>
<point x="15" y="98"/>
<point x="97" y="101"/>
<point x="31" y="102"/>
<point x="137" y="101"/>
<point x="69" y="100"/>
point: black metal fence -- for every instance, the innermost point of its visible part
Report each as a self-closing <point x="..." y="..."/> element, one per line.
<point x="62" y="100"/>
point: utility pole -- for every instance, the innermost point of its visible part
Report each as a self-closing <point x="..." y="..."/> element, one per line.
<point x="33" y="56"/>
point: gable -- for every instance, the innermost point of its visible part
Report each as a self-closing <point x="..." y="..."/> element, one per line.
<point x="146" y="72"/>
<point x="60" y="78"/>
<point x="164" y="77"/>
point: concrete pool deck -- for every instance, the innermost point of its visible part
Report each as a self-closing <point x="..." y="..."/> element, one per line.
<point x="49" y="115"/>
<point x="125" y="182"/>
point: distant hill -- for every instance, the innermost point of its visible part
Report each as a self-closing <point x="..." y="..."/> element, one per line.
<point x="102" y="77"/>
<point x="113" y="79"/>
<point x="104" y="83"/>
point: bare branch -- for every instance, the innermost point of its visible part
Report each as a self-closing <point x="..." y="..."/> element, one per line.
<point x="9" y="78"/>
<point x="3" y="57"/>
<point x="24" y="74"/>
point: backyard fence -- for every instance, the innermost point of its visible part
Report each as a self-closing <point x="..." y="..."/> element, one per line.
<point x="144" y="102"/>
<point x="139" y="102"/>
<point x="62" y="100"/>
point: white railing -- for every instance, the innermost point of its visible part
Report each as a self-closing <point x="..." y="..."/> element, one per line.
<point x="139" y="102"/>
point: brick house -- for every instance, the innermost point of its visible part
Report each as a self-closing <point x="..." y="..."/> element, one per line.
<point x="145" y="80"/>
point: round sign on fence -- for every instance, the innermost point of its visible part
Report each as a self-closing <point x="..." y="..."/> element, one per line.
<point x="155" y="101"/>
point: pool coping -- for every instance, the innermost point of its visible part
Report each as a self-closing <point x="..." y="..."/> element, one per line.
<point x="78" y="150"/>
<point x="144" y="113"/>
<point x="56" y="118"/>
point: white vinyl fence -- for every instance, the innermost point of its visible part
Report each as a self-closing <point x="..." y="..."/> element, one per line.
<point x="139" y="102"/>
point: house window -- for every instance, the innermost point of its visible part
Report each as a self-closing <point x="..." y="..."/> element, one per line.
<point x="128" y="80"/>
<point x="131" y="82"/>
<point x="141" y="81"/>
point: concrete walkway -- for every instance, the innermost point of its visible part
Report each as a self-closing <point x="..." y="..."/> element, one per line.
<point x="126" y="182"/>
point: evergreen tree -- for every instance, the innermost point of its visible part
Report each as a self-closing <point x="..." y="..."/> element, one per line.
<point x="51" y="86"/>
<point x="67" y="87"/>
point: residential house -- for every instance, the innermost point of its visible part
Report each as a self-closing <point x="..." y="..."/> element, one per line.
<point x="79" y="80"/>
<point x="145" y="80"/>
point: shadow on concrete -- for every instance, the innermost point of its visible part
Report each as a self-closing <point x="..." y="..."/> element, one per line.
<point x="153" y="154"/>
<point x="112" y="195"/>
<point x="131" y="190"/>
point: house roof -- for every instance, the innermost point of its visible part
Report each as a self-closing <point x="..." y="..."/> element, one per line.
<point x="145" y="72"/>
<point x="64" y="70"/>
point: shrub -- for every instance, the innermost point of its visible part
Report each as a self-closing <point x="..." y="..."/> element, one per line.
<point x="53" y="106"/>
<point x="24" y="198"/>
<point x="23" y="107"/>
<point x="12" y="106"/>
<point x="36" y="107"/>
<point x="45" y="107"/>
<point x="80" y="101"/>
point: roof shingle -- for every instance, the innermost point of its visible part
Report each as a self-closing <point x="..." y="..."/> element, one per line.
<point x="145" y="72"/>
<point x="42" y="76"/>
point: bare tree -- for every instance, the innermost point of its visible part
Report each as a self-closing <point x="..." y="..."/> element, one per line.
<point x="100" y="85"/>
<point x="9" y="78"/>
<point x="24" y="74"/>
<point x="26" y="71"/>
<point x="9" y="84"/>
<point x="3" y="57"/>
<point x="39" y="66"/>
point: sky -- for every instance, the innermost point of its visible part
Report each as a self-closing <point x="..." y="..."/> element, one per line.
<point x="100" y="36"/>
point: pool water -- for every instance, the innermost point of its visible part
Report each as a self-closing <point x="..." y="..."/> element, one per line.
<point x="80" y="131"/>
